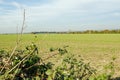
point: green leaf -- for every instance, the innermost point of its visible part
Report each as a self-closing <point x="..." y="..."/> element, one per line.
<point x="49" y="72"/>
<point x="49" y="78"/>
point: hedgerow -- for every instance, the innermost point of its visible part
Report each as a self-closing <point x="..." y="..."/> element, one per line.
<point x="26" y="64"/>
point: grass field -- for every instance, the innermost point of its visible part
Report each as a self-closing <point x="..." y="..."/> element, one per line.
<point x="96" y="48"/>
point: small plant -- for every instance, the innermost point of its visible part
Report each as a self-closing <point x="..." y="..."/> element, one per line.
<point x="25" y="64"/>
<point x="60" y="50"/>
<point x="72" y="69"/>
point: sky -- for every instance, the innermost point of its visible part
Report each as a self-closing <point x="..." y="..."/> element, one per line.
<point x="59" y="15"/>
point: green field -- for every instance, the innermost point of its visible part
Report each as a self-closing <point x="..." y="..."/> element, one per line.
<point x="96" y="48"/>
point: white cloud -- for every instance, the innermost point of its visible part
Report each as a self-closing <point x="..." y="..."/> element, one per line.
<point x="55" y="9"/>
<point x="64" y="12"/>
<point x="116" y="14"/>
<point x="16" y="4"/>
<point x="77" y="6"/>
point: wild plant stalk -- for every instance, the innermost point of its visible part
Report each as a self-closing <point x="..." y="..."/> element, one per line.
<point x="23" y="26"/>
<point x="17" y="42"/>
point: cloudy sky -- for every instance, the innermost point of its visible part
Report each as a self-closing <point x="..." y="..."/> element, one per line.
<point x="59" y="15"/>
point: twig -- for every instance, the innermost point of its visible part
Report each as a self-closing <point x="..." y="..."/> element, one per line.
<point x="18" y="42"/>
<point x="41" y="61"/>
<point x="23" y="24"/>
<point x="21" y="61"/>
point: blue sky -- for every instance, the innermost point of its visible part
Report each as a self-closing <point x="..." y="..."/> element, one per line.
<point x="59" y="15"/>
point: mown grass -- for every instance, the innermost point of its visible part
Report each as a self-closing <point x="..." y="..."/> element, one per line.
<point x="96" y="48"/>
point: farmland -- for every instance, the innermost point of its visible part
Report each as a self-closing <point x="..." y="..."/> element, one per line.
<point x="95" y="48"/>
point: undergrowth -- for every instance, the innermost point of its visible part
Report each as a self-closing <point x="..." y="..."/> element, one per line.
<point x="26" y="64"/>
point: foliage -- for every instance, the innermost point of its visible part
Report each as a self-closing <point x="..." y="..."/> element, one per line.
<point x="61" y="50"/>
<point x="28" y="65"/>
<point x="24" y="64"/>
<point x="73" y="69"/>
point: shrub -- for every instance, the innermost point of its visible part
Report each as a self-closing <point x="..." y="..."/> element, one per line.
<point x="28" y="65"/>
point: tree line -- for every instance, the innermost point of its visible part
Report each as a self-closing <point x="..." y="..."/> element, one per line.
<point x="106" y="31"/>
